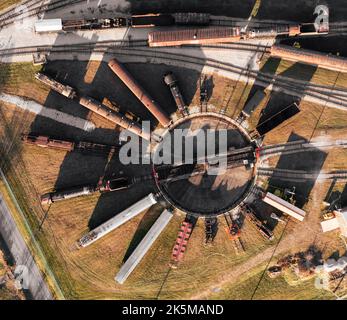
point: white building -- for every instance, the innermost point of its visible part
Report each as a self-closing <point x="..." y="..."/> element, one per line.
<point x="49" y="25"/>
<point x="339" y="222"/>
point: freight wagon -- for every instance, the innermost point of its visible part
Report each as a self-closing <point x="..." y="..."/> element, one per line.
<point x="193" y="36"/>
<point x="310" y="57"/>
<point x="46" y="142"/>
<point x="278" y="118"/>
<point x="226" y="34"/>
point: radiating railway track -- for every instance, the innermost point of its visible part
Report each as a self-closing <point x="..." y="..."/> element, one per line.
<point x="297" y="147"/>
<point x="300" y="175"/>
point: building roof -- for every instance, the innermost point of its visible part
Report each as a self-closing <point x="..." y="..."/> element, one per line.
<point x="342" y="218"/>
<point x="284" y="206"/>
<point x="49" y="25"/>
<point x="329" y="225"/>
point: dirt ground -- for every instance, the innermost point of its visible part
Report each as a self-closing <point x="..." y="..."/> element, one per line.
<point x="8" y="290"/>
<point x="6" y="3"/>
<point x="89" y="273"/>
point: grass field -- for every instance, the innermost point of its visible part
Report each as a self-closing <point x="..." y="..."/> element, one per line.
<point x="7" y="3"/>
<point x="89" y="273"/>
<point x="271" y="289"/>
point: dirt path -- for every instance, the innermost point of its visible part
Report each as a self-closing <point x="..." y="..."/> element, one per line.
<point x="302" y="236"/>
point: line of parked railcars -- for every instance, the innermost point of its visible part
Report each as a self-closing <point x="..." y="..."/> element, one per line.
<point x="68" y="146"/>
<point x="134" y="21"/>
<point x="194" y="36"/>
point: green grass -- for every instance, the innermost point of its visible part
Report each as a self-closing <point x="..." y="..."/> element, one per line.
<point x="201" y="267"/>
<point x="271" y="289"/>
<point x="51" y="255"/>
<point x="17" y="73"/>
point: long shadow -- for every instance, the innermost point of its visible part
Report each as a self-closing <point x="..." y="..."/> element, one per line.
<point x="78" y="169"/>
<point x="343" y="198"/>
<point x="331" y="44"/>
<point x="270" y="68"/>
<point x="145" y="224"/>
<point x="311" y="161"/>
<point x="6" y="252"/>
<point x="279" y="100"/>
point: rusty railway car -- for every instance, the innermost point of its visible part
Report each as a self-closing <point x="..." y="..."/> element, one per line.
<point x="193" y="36"/>
<point x="46" y="142"/>
<point x="320" y="59"/>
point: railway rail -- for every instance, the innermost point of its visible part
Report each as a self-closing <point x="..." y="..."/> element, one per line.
<point x="33" y="8"/>
<point x="296" y="147"/>
<point x="300" y="175"/>
<point x="297" y="88"/>
<point x="335" y="95"/>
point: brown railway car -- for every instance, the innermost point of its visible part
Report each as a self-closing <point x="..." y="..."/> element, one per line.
<point x="193" y="36"/>
<point x="113" y="116"/>
<point x="139" y="92"/>
<point x="320" y="59"/>
<point x="46" y="142"/>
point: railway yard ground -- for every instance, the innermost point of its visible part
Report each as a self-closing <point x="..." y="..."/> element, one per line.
<point x="86" y="273"/>
<point x="208" y="271"/>
<point x="7" y="3"/>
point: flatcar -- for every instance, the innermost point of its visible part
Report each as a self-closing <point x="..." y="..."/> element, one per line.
<point x="228" y="34"/>
<point x="194" y="36"/>
<point x="94" y="24"/>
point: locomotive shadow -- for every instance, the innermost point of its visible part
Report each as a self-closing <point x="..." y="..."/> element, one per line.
<point x="310" y="161"/>
<point x="280" y="100"/>
<point x="339" y="197"/>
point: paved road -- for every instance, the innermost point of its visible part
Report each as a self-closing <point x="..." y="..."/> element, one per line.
<point x="21" y="254"/>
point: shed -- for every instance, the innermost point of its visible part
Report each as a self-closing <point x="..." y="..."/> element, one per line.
<point x="329" y="225"/>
